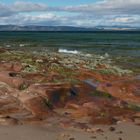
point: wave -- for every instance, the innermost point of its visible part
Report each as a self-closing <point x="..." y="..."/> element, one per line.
<point x="68" y="51"/>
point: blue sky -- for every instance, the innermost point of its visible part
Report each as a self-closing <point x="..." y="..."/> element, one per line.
<point x="87" y="13"/>
<point x="56" y="2"/>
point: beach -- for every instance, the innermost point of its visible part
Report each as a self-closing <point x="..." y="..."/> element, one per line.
<point x="121" y="132"/>
<point x="68" y="94"/>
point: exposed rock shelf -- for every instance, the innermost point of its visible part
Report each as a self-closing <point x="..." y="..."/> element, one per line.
<point x="69" y="89"/>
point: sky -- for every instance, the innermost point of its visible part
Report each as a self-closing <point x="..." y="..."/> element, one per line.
<point x="83" y="13"/>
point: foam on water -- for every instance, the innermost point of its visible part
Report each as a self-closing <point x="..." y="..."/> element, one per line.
<point x="68" y="51"/>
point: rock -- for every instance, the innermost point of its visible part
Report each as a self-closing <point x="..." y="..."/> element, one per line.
<point x="99" y="130"/>
<point x="8" y="121"/>
<point x="93" y="137"/>
<point x="73" y="91"/>
<point x="126" y="89"/>
<point x="5" y="89"/>
<point x="35" y="77"/>
<point x="36" y="105"/>
<point x="17" y="67"/>
<point x="11" y="107"/>
<point x="71" y="138"/>
<point x="15" y="82"/>
<point x="72" y="106"/>
<point x="2" y="50"/>
<point x="112" y="128"/>
<point x="10" y="66"/>
<point x="92" y="105"/>
<point x="82" y="112"/>
<point x="57" y="94"/>
<point x="7" y="100"/>
<point x="103" y="120"/>
<point x="62" y="135"/>
<point x="91" y="83"/>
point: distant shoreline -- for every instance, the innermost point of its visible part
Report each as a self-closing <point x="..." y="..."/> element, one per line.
<point x="96" y="31"/>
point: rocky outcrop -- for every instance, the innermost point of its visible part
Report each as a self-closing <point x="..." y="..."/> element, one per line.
<point x="65" y="88"/>
<point x="10" y="66"/>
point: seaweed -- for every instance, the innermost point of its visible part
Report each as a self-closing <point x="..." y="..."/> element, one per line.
<point x="100" y="94"/>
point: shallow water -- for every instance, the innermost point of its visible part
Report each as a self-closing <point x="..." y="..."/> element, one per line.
<point x="123" y="47"/>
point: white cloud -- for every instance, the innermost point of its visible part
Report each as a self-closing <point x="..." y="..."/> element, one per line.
<point x="22" y="6"/>
<point x="105" y="12"/>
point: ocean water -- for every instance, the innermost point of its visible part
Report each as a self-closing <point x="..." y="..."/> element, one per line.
<point x="122" y="47"/>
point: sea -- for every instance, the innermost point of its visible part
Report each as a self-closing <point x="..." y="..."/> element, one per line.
<point x="123" y="47"/>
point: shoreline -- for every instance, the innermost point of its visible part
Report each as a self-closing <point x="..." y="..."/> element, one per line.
<point x="64" y="91"/>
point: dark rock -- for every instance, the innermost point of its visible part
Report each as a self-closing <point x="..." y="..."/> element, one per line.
<point x="71" y="138"/>
<point x="112" y="129"/>
<point x="93" y="137"/>
<point x="73" y="91"/>
<point x="91" y="83"/>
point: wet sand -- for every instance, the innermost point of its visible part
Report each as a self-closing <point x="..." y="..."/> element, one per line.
<point x="24" y="132"/>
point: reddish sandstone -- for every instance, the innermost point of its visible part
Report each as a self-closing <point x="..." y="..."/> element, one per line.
<point x="10" y="66"/>
<point x="14" y="82"/>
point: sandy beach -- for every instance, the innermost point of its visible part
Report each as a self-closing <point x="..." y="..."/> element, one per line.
<point x="26" y="132"/>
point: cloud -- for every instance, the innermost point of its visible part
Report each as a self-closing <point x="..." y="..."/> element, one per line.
<point x="104" y="12"/>
<point x="4" y="10"/>
<point x="22" y="6"/>
<point x="106" y="7"/>
<point x="102" y="7"/>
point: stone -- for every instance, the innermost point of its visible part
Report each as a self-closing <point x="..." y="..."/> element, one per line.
<point x="112" y="128"/>
<point x="10" y="107"/>
<point x="82" y="112"/>
<point x="71" y="138"/>
<point x="92" y="105"/>
<point x="8" y="121"/>
<point x="10" y="66"/>
<point x="17" y="67"/>
<point x="91" y="83"/>
<point x="14" y="82"/>
<point x="103" y="120"/>
<point x="36" y="105"/>
<point x="57" y="94"/>
<point x="72" y="106"/>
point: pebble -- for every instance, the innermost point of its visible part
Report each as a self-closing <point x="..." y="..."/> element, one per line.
<point x="93" y="137"/>
<point x="112" y="129"/>
<point x="71" y="138"/>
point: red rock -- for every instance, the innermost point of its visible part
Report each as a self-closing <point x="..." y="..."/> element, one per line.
<point x="15" y="82"/>
<point x="35" y="76"/>
<point x="103" y="121"/>
<point x="5" y="89"/>
<point x="35" y="104"/>
<point x="5" y="66"/>
<point x="57" y="94"/>
<point x="10" y="66"/>
<point x="82" y="112"/>
<point x="2" y="50"/>
<point x="92" y="106"/>
<point x="72" y="106"/>
<point x="126" y="89"/>
<point x="17" y="67"/>
<point x="5" y="100"/>
<point x="8" y="121"/>
<point x="9" y="105"/>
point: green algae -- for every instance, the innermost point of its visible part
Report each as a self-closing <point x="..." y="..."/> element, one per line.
<point x="23" y="86"/>
<point x="47" y="103"/>
<point x="133" y="106"/>
<point x="100" y="94"/>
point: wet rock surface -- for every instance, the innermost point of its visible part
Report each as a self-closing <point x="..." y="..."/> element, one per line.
<point x="68" y="90"/>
